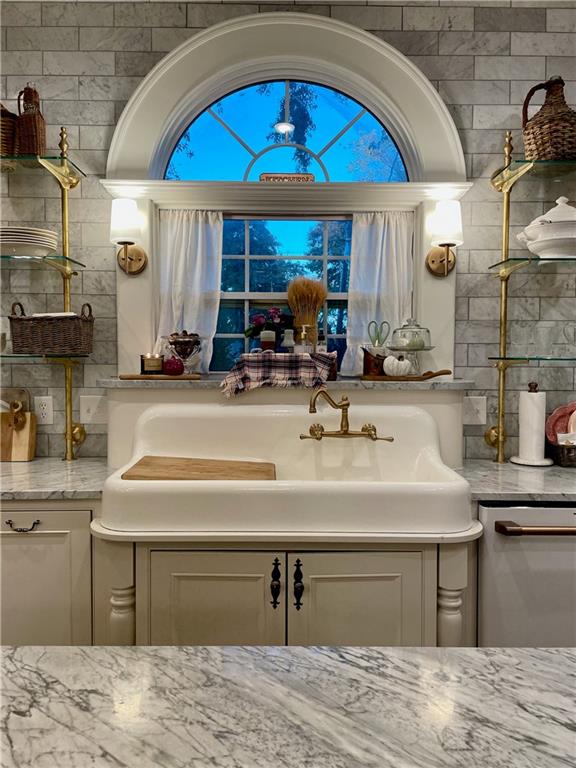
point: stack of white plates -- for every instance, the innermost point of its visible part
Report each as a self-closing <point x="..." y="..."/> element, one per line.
<point x="27" y="241"/>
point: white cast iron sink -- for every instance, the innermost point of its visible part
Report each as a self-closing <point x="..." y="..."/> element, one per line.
<point x="335" y="485"/>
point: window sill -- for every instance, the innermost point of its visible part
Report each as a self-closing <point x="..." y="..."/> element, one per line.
<point x="213" y="382"/>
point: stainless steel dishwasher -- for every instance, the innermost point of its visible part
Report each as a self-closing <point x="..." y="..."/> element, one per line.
<point x="527" y="576"/>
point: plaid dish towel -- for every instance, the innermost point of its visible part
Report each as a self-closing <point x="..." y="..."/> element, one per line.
<point x="275" y="369"/>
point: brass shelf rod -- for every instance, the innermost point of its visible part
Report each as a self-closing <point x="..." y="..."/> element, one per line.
<point x="67" y="179"/>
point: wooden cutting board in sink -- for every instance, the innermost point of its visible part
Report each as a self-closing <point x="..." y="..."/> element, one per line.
<point x="173" y="468"/>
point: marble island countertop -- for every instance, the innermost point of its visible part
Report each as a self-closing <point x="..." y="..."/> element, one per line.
<point x="178" y="707"/>
<point x="53" y="479"/>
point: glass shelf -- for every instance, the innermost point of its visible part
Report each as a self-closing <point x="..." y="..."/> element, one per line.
<point x="535" y="358"/>
<point x="58" y="258"/>
<point x="11" y="162"/>
<point x="12" y="356"/>
<point x="546" y="170"/>
<point x="554" y="170"/>
<point x="532" y="260"/>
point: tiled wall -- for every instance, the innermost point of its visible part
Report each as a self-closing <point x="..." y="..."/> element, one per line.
<point x="87" y="58"/>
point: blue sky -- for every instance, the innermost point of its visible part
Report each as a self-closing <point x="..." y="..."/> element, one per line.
<point x="251" y="114"/>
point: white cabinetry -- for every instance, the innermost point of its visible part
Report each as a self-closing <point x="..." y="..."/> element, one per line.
<point x="323" y="598"/>
<point x="357" y="598"/>
<point x="214" y="598"/>
<point x="45" y="576"/>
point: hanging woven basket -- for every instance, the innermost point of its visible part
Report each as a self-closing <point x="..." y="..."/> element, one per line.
<point x="551" y="133"/>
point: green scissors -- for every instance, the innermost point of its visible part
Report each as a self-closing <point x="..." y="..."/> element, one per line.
<point x="378" y="333"/>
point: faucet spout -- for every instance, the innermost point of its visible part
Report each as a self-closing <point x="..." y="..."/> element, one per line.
<point x="344" y="404"/>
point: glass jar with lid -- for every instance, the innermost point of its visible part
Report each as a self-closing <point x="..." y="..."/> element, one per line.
<point x="411" y="337"/>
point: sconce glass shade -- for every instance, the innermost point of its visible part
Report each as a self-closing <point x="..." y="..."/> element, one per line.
<point x="124" y="222"/>
<point x="446" y="223"/>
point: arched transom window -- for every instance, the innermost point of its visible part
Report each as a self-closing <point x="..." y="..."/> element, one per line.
<point x="286" y="127"/>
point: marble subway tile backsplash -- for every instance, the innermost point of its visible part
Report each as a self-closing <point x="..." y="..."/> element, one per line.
<point x="87" y="58"/>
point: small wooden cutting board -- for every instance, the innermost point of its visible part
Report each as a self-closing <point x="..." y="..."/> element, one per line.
<point x="173" y="468"/>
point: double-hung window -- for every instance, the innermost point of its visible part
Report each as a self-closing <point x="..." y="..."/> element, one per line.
<point x="261" y="256"/>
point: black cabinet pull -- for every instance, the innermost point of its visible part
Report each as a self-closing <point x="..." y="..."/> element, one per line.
<point x="10" y="524"/>
<point x="275" y="584"/>
<point x="298" y="585"/>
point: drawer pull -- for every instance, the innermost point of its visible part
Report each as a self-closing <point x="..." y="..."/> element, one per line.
<point x="510" y="528"/>
<point x="298" y="585"/>
<point x="10" y="524"/>
<point x="275" y="584"/>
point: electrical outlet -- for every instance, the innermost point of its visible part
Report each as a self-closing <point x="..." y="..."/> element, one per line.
<point x="475" y="410"/>
<point x="44" y="409"/>
<point x="93" y="409"/>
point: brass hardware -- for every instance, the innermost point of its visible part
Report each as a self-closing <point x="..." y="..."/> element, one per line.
<point x="10" y="524"/>
<point x="370" y="431"/>
<point x="275" y="584"/>
<point x="510" y="528"/>
<point x="298" y="585"/>
<point x="78" y="433"/>
<point x="503" y="180"/>
<point x="317" y="431"/>
<point x="440" y="261"/>
<point x="132" y="259"/>
<point x="491" y="437"/>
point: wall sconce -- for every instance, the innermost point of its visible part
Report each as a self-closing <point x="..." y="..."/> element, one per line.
<point x="445" y="225"/>
<point x="125" y="231"/>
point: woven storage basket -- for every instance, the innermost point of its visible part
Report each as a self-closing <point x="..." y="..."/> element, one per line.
<point x="551" y="133"/>
<point x="30" y="125"/>
<point x="51" y="335"/>
<point x="7" y="131"/>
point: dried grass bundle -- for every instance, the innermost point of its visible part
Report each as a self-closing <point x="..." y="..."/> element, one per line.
<point x="306" y="298"/>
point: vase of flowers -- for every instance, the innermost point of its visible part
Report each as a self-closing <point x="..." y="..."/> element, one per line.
<point x="273" y="320"/>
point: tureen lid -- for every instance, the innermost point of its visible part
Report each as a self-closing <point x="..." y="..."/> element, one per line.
<point x="562" y="211"/>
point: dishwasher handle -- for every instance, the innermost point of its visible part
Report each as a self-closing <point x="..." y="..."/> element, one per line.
<point x="510" y="528"/>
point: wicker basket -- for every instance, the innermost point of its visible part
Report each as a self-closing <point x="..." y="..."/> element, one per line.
<point x="30" y="125"/>
<point x="551" y="133"/>
<point x="51" y="335"/>
<point x="7" y="132"/>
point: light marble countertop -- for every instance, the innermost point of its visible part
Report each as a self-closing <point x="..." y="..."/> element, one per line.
<point x="500" y="482"/>
<point x="213" y="382"/>
<point x="45" y="479"/>
<point x="178" y="707"/>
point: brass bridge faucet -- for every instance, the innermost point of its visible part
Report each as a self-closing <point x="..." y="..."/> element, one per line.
<point x="317" y="431"/>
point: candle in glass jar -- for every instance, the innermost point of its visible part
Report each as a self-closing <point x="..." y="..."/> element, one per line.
<point x="150" y="363"/>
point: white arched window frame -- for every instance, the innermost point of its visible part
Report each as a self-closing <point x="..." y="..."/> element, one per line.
<point x="285" y="46"/>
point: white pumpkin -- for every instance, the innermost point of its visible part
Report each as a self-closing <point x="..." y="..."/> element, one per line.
<point x="397" y="366"/>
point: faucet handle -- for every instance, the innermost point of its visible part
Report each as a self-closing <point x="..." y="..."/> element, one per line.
<point x="371" y="431"/>
<point x="315" y="432"/>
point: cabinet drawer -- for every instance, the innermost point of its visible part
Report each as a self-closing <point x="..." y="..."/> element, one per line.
<point x="45" y="578"/>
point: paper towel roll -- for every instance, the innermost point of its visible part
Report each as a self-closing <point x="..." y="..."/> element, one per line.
<point x="532" y="423"/>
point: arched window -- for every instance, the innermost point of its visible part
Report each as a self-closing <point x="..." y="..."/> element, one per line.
<point x="286" y="127"/>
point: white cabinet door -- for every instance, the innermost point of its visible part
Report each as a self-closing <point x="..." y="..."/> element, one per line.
<point x="355" y="598"/>
<point x="45" y="578"/>
<point x="216" y="598"/>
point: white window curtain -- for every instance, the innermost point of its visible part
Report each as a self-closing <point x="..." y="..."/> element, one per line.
<point x="190" y="271"/>
<point x="381" y="278"/>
